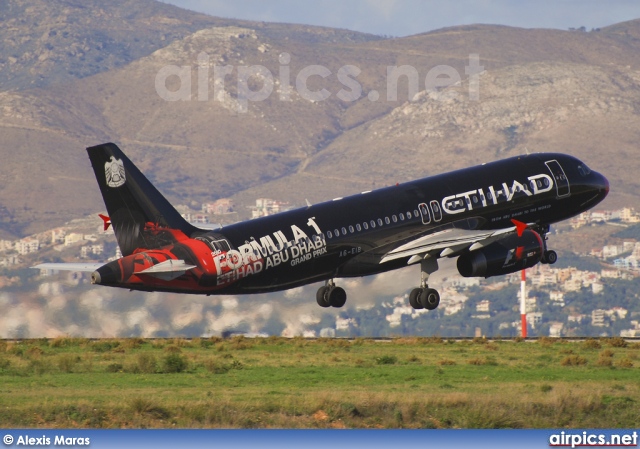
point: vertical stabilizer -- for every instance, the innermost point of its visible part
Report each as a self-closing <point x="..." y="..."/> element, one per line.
<point x="133" y="203"/>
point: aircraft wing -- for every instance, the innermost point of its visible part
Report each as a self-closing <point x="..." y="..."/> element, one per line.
<point x="445" y="243"/>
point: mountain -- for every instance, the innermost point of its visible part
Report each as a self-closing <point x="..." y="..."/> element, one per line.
<point x="75" y="74"/>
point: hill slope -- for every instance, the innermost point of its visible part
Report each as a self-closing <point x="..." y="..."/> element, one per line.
<point x="541" y="90"/>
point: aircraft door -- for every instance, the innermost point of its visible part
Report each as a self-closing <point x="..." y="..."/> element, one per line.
<point x="559" y="177"/>
<point x="424" y="211"/>
<point x="437" y="212"/>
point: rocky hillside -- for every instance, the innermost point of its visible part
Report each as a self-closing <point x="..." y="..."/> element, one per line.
<point x="76" y="74"/>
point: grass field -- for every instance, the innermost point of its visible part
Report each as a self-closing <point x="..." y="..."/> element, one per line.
<point x="324" y="383"/>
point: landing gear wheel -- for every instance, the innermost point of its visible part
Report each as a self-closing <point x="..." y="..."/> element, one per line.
<point x="429" y="298"/>
<point x="337" y="297"/>
<point x="550" y="257"/>
<point x="414" y="298"/>
<point x="322" y="297"/>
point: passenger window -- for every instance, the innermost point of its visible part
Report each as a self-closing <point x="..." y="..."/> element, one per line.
<point x="336" y="232"/>
<point x="329" y="234"/>
<point x="373" y="224"/>
<point x="351" y="230"/>
<point x="344" y="231"/>
<point x="386" y="220"/>
<point x="394" y="218"/>
<point x="401" y="216"/>
<point x="358" y="228"/>
<point x="379" y="221"/>
<point x="416" y="213"/>
<point x="365" y="225"/>
<point x="408" y="215"/>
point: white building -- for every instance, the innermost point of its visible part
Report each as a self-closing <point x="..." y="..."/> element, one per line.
<point x="534" y="318"/>
<point x="73" y="237"/>
<point x="597" y="317"/>
<point x="555" y="329"/>
<point x="57" y="236"/>
<point x="611" y="251"/>
<point x="597" y="287"/>
<point x="26" y="246"/>
<point x="483" y="306"/>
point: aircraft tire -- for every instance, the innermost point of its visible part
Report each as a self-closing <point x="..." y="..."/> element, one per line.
<point x="337" y="297"/>
<point x="550" y="257"/>
<point x="322" y="297"/>
<point x="429" y="298"/>
<point x="414" y="298"/>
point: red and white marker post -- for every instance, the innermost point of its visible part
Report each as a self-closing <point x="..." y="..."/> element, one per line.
<point x="523" y="307"/>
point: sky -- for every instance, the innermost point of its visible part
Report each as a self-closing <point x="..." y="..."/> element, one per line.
<point x="406" y="17"/>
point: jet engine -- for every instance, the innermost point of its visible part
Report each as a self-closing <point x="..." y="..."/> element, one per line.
<point x="510" y="254"/>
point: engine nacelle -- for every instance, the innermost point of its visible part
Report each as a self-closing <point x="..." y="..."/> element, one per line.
<point x="507" y="255"/>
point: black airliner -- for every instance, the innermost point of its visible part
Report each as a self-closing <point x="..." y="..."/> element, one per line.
<point x="494" y="218"/>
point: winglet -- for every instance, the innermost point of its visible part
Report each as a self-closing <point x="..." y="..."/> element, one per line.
<point x="520" y="226"/>
<point x="106" y="220"/>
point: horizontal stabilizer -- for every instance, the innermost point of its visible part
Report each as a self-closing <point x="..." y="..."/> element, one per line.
<point x="69" y="266"/>
<point x="168" y="266"/>
<point x="168" y="270"/>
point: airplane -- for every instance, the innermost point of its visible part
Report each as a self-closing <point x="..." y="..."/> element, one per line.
<point x="494" y="218"/>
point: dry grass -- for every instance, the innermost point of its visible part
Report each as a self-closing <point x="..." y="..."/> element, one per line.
<point x="407" y="383"/>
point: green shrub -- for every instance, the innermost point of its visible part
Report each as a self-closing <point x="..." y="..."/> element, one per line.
<point x="66" y="362"/>
<point x="147" y="363"/>
<point x="573" y="360"/>
<point x="625" y="363"/>
<point x="103" y="345"/>
<point x="386" y="360"/>
<point x="175" y="363"/>
<point x="38" y="367"/>
<point x="446" y="362"/>
<point x="591" y="343"/>
<point x="617" y="342"/>
<point x="216" y="367"/>
<point x="114" y="368"/>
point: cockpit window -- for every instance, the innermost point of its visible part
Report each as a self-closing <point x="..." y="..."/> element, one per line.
<point x="584" y="170"/>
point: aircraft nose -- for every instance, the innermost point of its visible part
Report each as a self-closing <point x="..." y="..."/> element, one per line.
<point x="602" y="184"/>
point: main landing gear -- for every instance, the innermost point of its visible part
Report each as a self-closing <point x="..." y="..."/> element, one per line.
<point x="425" y="297"/>
<point x="548" y="256"/>
<point x="331" y="296"/>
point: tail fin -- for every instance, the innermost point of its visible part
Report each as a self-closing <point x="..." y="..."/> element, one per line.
<point x="133" y="203"/>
